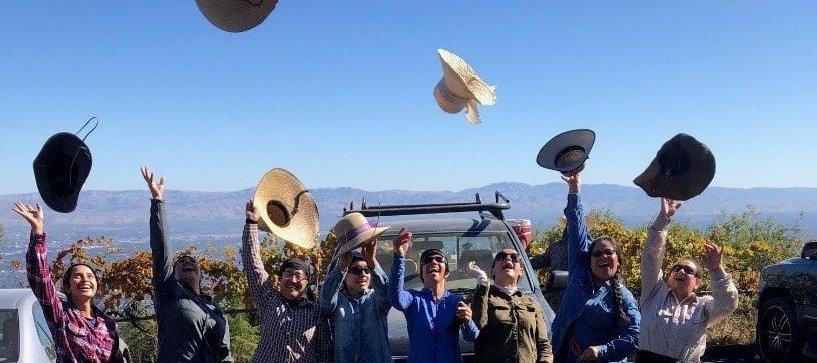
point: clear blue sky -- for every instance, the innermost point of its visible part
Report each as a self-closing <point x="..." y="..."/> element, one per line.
<point x="340" y="92"/>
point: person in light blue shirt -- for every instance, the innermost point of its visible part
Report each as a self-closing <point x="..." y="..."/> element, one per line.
<point x="354" y="297"/>
<point x="598" y="318"/>
<point x="434" y="316"/>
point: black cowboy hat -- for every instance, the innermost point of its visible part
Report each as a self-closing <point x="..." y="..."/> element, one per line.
<point x="682" y="169"/>
<point x="567" y="151"/>
<point x="61" y="168"/>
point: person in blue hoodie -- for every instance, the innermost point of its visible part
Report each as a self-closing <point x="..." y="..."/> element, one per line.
<point x="598" y="319"/>
<point x="434" y="316"/>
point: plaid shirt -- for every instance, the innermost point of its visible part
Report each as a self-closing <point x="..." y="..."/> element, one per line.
<point x="290" y="332"/>
<point x="76" y="339"/>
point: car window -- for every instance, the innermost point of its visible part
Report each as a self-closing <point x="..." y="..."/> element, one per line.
<point x="459" y="250"/>
<point x="9" y="335"/>
<point x="42" y="331"/>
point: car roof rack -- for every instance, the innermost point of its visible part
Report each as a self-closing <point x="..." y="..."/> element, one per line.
<point x="495" y="208"/>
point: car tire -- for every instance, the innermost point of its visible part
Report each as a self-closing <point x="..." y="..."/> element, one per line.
<point x="778" y="333"/>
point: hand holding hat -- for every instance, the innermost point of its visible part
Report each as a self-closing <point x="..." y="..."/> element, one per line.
<point x="567" y="152"/>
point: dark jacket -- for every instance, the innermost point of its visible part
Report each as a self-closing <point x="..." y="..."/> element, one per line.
<point x="511" y="328"/>
<point x="191" y="327"/>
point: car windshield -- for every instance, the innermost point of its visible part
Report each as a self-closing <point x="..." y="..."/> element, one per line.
<point x="9" y="335"/>
<point x="459" y="249"/>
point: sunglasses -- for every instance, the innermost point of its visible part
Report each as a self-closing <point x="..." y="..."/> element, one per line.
<point x="687" y="269"/>
<point x="598" y="253"/>
<point x="357" y="270"/>
<point x="294" y="276"/>
<point x="504" y="256"/>
<point x="435" y="258"/>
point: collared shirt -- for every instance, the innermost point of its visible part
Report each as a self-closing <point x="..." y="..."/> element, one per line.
<point x="191" y="327"/>
<point x="433" y="327"/>
<point x="76" y="338"/>
<point x="290" y="332"/>
<point x="511" y="327"/>
<point x="590" y="309"/>
<point x="359" y="326"/>
<point x="675" y="328"/>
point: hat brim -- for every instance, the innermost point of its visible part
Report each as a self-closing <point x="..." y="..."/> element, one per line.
<point x="460" y="78"/>
<point x="236" y="15"/>
<point x="681" y="186"/>
<point x="360" y="240"/>
<point x="64" y="158"/>
<point x="283" y="187"/>
<point x="583" y="138"/>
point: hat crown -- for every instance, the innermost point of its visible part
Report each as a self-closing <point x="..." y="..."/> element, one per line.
<point x="349" y="223"/>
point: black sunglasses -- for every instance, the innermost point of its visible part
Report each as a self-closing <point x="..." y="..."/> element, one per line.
<point x="357" y="270"/>
<point x="502" y="255"/>
<point x="687" y="269"/>
<point x="435" y="258"/>
<point x="598" y="253"/>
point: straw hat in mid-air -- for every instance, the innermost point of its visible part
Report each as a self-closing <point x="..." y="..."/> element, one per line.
<point x="461" y="88"/>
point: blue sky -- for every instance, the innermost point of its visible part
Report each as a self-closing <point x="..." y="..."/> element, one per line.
<point x="341" y="92"/>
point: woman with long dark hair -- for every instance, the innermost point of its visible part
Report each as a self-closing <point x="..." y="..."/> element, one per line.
<point x="598" y="319"/>
<point x="81" y="331"/>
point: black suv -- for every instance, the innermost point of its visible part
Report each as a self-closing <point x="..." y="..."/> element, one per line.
<point x="787" y="308"/>
<point x="462" y="240"/>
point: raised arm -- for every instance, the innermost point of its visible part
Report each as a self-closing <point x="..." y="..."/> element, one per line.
<point x="468" y="327"/>
<point x="37" y="269"/>
<point x="479" y="304"/>
<point x="652" y="256"/>
<point x="578" y="238"/>
<point x="398" y="297"/>
<point x="724" y="293"/>
<point x="159" y="243"/>
<point x="257" y="276"/>
<point x="333" y="284"/>
<point x="380" y="281"/>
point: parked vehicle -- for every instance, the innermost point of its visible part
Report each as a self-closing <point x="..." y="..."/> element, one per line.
<point x="787" y="308"/>
<point x="462" y="239"/>
<point x="24" y="334"/>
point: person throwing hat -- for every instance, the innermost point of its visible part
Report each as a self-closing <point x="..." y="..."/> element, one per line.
<point x="354" y="295"/>
<point x="682" y="336"/>
<point x="293" y="328"/>
<point x="192" y="328"/>
<point x="434" y="315"/>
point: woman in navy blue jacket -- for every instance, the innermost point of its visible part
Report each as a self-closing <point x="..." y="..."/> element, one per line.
<point x="598" y="318"/>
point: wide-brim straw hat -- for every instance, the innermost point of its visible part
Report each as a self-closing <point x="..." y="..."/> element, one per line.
<point x="60" y="169"/>
<point x="461" y="87"/>
<point x="236" y="15"/>
<point x="681" y="169"/>
<point x="353" y="231"/>
<point x="567" y="151"/>
<point x="287" y="209"/>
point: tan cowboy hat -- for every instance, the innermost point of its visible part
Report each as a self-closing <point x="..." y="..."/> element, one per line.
<point x="681" y="169"/>
<point x="461" y="88"/>
<point x="287" y="208"/>
<point x="236" y="15"/>
<point x="353" y="231"/>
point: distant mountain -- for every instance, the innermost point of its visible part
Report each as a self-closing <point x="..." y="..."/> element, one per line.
<point x="222" y="213"/>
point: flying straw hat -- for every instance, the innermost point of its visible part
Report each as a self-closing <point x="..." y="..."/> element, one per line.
<point x="682" y="169"/>
<point x="236" y="15"/>
<point x="461" y="88"/>
<point x="287" y="209"/>
<point x="353" y="231"/>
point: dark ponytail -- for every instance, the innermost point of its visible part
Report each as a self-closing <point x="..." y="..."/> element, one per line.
<point x="621" y="315"/>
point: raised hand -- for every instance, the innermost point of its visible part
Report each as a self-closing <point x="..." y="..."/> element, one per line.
<point x="574" y="181"/>
<point x="463" y="312"/>
<point x="368" y="252"/>
<point x="713" y="256"/>
<point x="669" y="207"/>
<point x="33" y="214"/>
<point x="252" y="212"/>
<point x="475" y="272"/>
<point x="157" y="190"/>
<point x="402" y="242"/>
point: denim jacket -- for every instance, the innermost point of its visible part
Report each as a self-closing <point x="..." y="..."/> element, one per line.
<point x="359" y="326"/>
<point x="588" y="309"/>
